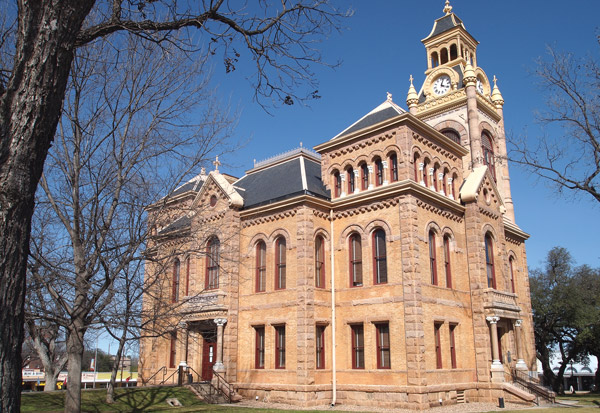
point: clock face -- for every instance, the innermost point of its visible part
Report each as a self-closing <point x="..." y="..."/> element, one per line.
<point x="441" y="85"/>
<point x="479" y="86"/>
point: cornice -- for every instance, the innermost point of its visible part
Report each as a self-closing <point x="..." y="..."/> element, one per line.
<point x="513" y="233"/>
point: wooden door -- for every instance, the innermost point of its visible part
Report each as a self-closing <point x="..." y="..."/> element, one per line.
<point x="209" y="355"/>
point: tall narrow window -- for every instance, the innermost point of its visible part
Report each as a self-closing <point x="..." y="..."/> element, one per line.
<point x="356" y="278"/>
<point x="351" y="182"/>
<point x="445" y="182"/>
<point x="320" y="262"/>
<point x="337" y="182"/>
<point x="438" y="348"/>
<point x="489" y="262"/>
<point x="487" y="149"/>
<point x="432" y="260"/>
<point x="173" y="350"/>
<point x="259" y="355"/>
<point x="280" y="263"/>
<point x="425" y="166"/>
<point x="280" y="347"/>
<point x="212" y="264"/>
<point x="358" y="346"/>
<point x="379" y="257"/>
<point x="364" y="176"/>
<point x="393" y="167"/>
<point x="320" y="346"/>
<point x="187" y="276"/>
<point x="434" y="176"/>
<point x="447" y="266"/>
<point x="378" y="172"/>
<point x="261" y="266"/>
<point x="383" y="346"/>
<point x="175" y="292"/>
<point x="416" y="165"/>
<point x="452" y="345"/>
<point x="511" y="263"/>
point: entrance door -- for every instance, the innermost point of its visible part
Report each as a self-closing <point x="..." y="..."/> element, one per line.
<point x="209" y="355"/>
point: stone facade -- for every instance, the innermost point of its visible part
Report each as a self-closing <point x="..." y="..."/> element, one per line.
<point x="434" y="304"/>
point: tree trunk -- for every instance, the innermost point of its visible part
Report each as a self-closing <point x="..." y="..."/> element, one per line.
<point x="110" y="391"/>
<point x="75" y="357"/>
<point x="50" y="381"/>
<point x="29" y="111"/>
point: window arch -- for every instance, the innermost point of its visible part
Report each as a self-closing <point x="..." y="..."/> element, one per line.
<point x="261" y="266"/>
<point x="453" y="52"/>
<point x="175" y="291"/>
<point x="447" y="263"/>
<point x="378" y="172"/>
<point x="212" y="264"/>
<point x="393" y="167"/>
<point x="337" y="184"/>
<point x="356" y="273"/>
<point x="511" y="264"/>
<point x="379" y="257"/>
<point x="489" y="261"/>
<point x="432" y="258"/>
<point x="364" y="176"/>
<point x="351" y="182"/>
<point x="319" y="262"/>
<point x="452" y="134"/>
<point x="280" y="263"/>
<point x="487" y="149"/>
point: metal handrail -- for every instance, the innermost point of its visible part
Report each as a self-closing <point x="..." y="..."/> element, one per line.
<point x="221" y="382"/>
<point x="532" y="385"/>
<point x="194" y="371"/>
<point x="164" y="380"/>
<point x="163" y="369"/>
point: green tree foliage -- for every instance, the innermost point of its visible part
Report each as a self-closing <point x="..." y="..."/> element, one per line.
<point x="103" y="362"/>
<point x="566" y="309"/>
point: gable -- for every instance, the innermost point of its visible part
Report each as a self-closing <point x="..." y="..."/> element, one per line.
<point x="480" y="187"/>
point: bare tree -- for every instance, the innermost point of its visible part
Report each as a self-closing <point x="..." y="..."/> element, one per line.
<point x="125" y="137"/>
<point x="278" y="38"/>
<point x="569" y="155"/>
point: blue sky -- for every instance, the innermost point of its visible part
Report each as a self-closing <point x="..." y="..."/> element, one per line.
<point x="382" y="46"/>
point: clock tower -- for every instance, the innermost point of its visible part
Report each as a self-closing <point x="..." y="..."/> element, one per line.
<point x="458" y="100"/>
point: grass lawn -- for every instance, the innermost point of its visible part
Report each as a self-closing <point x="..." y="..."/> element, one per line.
<point x="582" y="399"/>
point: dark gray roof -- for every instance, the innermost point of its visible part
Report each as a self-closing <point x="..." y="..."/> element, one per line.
<point x="179" y="223"/>
<point x="443" y="24"/>
<point x="281" y="181"/>
<point x="192" y="185"/>
<point x="371" y="119"/>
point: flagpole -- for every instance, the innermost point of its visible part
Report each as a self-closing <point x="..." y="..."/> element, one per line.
<point x="95" y="364"/>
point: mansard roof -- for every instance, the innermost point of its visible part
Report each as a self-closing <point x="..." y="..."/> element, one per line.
<point x="291" y="174"/>
<point x="385" y="111"/>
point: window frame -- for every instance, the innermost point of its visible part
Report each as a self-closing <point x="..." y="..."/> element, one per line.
<point x="173" y="350"/>
<point x="280" y="263"/>
<point x="393" y="167"/>
<point x="378" y="172"/>
<point x="320" y="347"/>
<point x="452" y="329"/>
<point x="259" y="347"/>
<point x="379" y="258"/>
<point x="187" y="275"/>
<point x="358" y="346"/>
<point x="320" y="264"/>
<point x="211" y="277"/>
<point x="488" y="153"/>
<point x="337" y="183"/>
<point x="511" y="262"/>
<point x="447" y="261"/>
<point x="432" y="257"/>
<point x="351" y="181"/>
<point x="383" y="348"/>
<point x="261" y="267"/>
<point x="175" y="283"/>
<point x="489" y="261"/>
<point x="355" y="260"/>
<point x="364" y="176"/>
<point x="437" y="327"/>
<point x="280" y="346"/>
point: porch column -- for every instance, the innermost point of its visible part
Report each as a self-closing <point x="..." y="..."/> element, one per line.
<point x="496" y="369"/>
<point x="521" y="365"/>
<point x="184" y="353"/>
<point x="220" y="322"/>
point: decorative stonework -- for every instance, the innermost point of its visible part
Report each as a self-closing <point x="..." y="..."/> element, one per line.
<point x="269" y="218"/>
<point x="362" y="144"/>
<point x="367" y="208"/>
<point x="426" y="142"/>
<point x="439" y="211"/>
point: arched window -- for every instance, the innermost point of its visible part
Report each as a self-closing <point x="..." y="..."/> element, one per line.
<point x="487" y="149"/>
<point x="445" y="181"/>
<point x="356" y="276"/>
<point x="416" y="165"/>
<point x="320" y="262"/>
<point x="364" y="176"/>
<point x="337" y="183"/>
<point x="393" y="167"/>
<point x="444" y="55"/>
<point x="425" y="166"/>
<point x="379" y="258"/>
<point x="261" y="266"/>
<point x="175" y="292"/>
<point x="489" y="262"/>
<point x="432" y="258"/>
<point x="511" y="263"/>
<point x="212" y="264"/>
<point x="280" y="263"/>
<point x="454" y="193"/>
<point x="434" y="177"/>
<point x="435" y="61"/>
<point x="378" y="172"/>
<point x="453" y="52"/>
<point x="452" y="134"/>
<point x="447" y="265"/>
<point x="351" y="183"/>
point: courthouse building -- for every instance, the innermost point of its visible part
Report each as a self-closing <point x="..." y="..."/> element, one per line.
<point x="384" y="268"/>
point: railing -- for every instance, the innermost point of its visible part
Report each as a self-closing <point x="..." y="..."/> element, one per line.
<point x="163" y="369"/>
<point x="500" y="299"/>
<point x="198" y="376"/>
<point x="532" y="385"/>
<point x="169" y="377"/>
<point x="222" y="386"/>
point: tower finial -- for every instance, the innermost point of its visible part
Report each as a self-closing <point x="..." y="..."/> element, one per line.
<point x="389" y="97"/>
<point x="216" y="163"/>
<point x="447" y="8"/>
